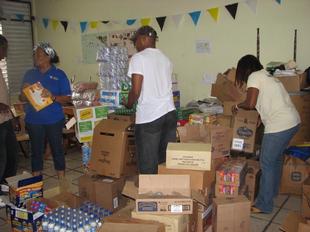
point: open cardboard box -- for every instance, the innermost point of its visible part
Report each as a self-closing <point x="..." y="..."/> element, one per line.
<point x="164" y="194"/>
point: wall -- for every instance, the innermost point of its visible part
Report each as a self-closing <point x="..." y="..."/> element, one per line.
<point x="230" y="39"/>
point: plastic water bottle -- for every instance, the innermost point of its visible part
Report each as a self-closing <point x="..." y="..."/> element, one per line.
<point x="50" y="227"/>
<point x="56" y="228"/>
<point x="45" y="223"/>
<point x="85" y="154"/>
<point x="62" y="227"/>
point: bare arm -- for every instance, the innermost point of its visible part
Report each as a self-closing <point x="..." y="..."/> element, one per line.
<point x="136" y="86"/>
<point x="250" y="101"/>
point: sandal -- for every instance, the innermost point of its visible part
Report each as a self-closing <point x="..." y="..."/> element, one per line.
<point x="255" y="210"/>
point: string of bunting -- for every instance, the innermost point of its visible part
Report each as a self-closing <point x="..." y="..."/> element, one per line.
<point x="84" y="25"/>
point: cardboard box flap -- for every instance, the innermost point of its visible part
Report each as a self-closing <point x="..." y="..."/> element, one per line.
<point x="165" y="184"/>
<point x="191" y="133"/>
<point x="111" y="126"/>
<point x="189" y="147"/>
<point x="130" y="189"/>
<point x="291" y="222"/>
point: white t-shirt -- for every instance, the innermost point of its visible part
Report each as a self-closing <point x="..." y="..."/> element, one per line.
<point x="156" y="97"/>
<point x="273" y="103"/>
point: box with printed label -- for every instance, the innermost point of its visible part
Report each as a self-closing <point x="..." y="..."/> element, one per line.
<point x="87" y="119"/>
<point x="232" y="172"/>
<point x="244" y="130"/>
<point x="173" y="223"/>
<point x="194" y="156"/>
<point x="23" y="187"/>
<point x="112" y="98"/>
<point x="164" y="194"/>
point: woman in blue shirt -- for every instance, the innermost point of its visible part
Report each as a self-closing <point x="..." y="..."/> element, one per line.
<point x="48" y="122"/>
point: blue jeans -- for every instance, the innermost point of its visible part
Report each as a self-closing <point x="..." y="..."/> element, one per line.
<point x="271" y="161"/>
<point x="151" y="141"/>
<point x="38" y="133"/>
<point x="8" y="151"/>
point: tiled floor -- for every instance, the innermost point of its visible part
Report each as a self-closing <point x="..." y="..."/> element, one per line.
<point x="259" y="222"/>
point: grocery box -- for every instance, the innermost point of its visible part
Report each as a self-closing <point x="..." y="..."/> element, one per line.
<point x="305" y="202"/>
<point x="23" y="187"/>
<point x="194" y="156"/>
<point x="112" y="98"/>
<point x="164" y="194"/>
<point x="232" y="172"/>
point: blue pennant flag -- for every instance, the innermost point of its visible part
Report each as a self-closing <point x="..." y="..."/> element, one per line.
<point x="20" y="17"/>
<point x="83" y="26"/>
<point x="279" y="1"/>
<point x="195" y="16"/>
<point x="45" y="22"/>
<point x="131" y="21"/>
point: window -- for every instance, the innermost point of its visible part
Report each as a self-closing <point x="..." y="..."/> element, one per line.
<point x="19" y="35"/>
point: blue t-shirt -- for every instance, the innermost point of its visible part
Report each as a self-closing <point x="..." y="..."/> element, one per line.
<point x="56" y="81"/>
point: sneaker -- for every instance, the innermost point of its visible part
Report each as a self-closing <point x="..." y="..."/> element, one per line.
<point x="4" y="188"/>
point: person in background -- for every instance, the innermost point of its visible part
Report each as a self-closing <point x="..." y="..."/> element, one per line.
<point x="48" y="122"/>
<point x="8" y="143"/>
<point x="281" y="120"/>
<point x="150" y="71"/>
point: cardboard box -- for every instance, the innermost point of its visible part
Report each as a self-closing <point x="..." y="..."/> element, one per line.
<point x="104" y="191"/>
<point x="226" y="190"/>
<point x="227" y="106"/>
<point x="232" y="172"/>
<point x="252" y="178"/>
<point x="202" y="217"/>
<point x="202" y="118"/>
<point x="173" y="223"/>
<point x="302" y="227"/>
<point x="127" y="118"/>
<point x="23" y="187"/>
<point x="231" y="214"/>
<point x="225" y="90"/>
<point x="86" y="120"/>
<point x="301" y="101"/>
<point x="291" y="222"/>
<point x="294" y="83"/>
<point x="68" y="199"/>
<point x="244" y="130"/>
<point x="305" y="204"/>
<point x="199" y="180"/>
<point x="294" y="173"/>
<point x="113" y="150"/>
<point x="124" y="224"/>
<point x="224" y="120"/>
<point x="218" y="136"/>
<point x="193" y="156"/>
<point x="33" y="94"/>
<point x="164" y="194"/>
<point x="112" y="98"/>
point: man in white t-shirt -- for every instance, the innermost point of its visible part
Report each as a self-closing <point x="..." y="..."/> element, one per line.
<point x="150" y="71"/>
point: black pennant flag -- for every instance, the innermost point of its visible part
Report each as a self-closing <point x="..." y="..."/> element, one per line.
<point x="64" y="24"/>
<point x="161" y="22"/>
<point x="105" y="22"/>
<point x="232" y="9"/>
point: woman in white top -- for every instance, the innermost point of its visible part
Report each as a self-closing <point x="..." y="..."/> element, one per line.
<point x="281" y="120"/>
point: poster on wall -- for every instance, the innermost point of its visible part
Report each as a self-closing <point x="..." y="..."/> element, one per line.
<point x="122" y="38"/>
<point x="90" y="44"/>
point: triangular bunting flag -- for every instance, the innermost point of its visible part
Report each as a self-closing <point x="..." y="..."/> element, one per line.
<point x="232" y="9"/>
<point x="64" y="24"/>
<point x="55" y="24"/>
<point x="252" y="4"/>
<point x="177" y="19"/>
<point x="20" y="17"/>
<point x="145" y="21"/>
<point x="161" y="21"/>
<point x="73" y="25"/>
<point x="45" y="22"/>
<point x="83" y="26"/>
<point x="130" y="21"/>
<point x="93" y="24"/>
<point x="105" y="22"/>
<point x="214" y="12"/>
<point x="279" y="1"/>
<point x="195" y="16"/>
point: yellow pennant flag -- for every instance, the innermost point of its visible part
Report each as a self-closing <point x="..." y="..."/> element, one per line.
<point x="93" y="24"/>
<point x="55" y="24"/>
<point x="145" y="21"/>
<point x="214" y="12"/>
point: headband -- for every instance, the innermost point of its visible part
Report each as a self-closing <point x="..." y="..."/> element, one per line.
<point x="46" y="47"/>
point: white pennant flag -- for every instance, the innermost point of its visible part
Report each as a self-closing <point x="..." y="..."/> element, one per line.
<point x="252" y="4"/>
<point x="177" y="19"/>
<point x="73" y="26"/>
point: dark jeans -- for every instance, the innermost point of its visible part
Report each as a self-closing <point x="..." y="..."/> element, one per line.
<point x="151" y="141"/>
<point x="53" y="134"/>
<point x="8" y="151"/>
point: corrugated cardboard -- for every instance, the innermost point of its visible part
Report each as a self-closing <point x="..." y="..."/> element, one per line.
<point x="193" y="156"/>
<point x="119" y="224"/>
<point x="127" y="118"/>
<point x="227" y="107"/>
<point x="305" y="204"/>
<point x="232" y="172"/>
<point x="202" y="217"/>
<point x="224" y="120"/>
<point x="218" y="136"/>
<point x="302" y="227"/>
<point x="294" y="83"/>
<point x="113" y="152"/>
<point x="222" y="190"/>
<point x="164" y="194"/>
<point x="173" y="223"/>
<point x="252" y="178"/>
<point x="294" y="173"/>
<point x="291" y="222"/>
<point x="244" y="130"/>
<point x="231" y="214"/>
<point x="104" y="191"/>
